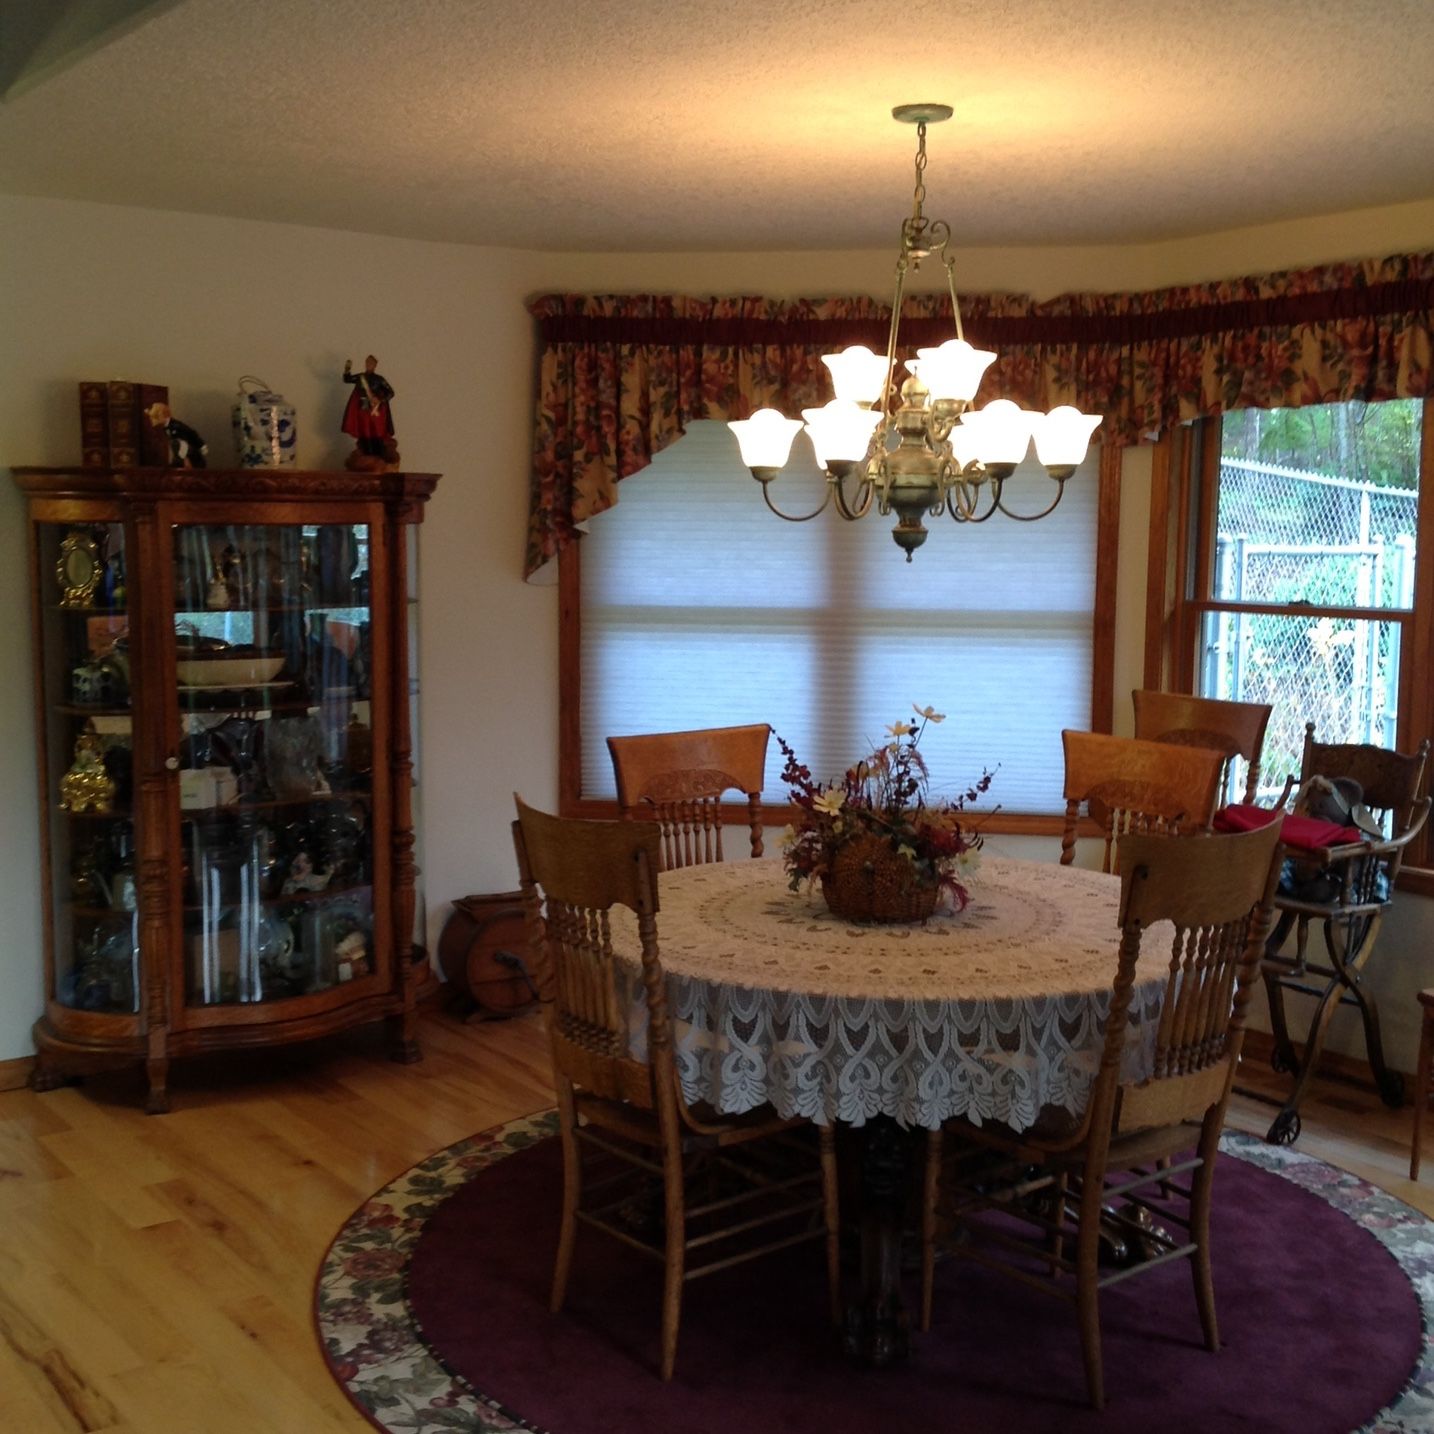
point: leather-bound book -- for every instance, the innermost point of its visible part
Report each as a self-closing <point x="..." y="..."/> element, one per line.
<point x="123" y="424"/>
<point x="94" y="423"/>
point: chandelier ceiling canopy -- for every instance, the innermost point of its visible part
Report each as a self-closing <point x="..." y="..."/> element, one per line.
<point x="925" y="449"/>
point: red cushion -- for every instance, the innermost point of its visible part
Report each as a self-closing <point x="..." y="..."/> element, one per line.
<point x="1302" y="833"/>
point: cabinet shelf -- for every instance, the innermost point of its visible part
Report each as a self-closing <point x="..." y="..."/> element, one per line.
<point x="313" y="605"/>
<point x="80" y="709"/>
<point x="286" y="540"/>
<point x="293" y="898"/>
<point x="268" y="804"/>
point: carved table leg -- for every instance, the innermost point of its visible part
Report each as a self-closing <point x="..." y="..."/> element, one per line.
<point x="877" y="1326"/>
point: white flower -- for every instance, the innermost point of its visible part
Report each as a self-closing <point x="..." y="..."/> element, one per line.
<point x="929" y="713"/>
<point x="969" y="861"/>
<point x="901" y="729"/>
<point x="830" y="802"/>
<point x="789" y="837"/>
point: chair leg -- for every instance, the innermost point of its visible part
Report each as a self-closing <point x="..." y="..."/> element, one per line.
<point x="1058" y="1217"/>
<point x="827" y="1136"/>
<point x="1088" y="1289"/>
<point x="674" y="1213"/>
<point x="930" y="1187"/>
<point x="1421" y="1092"/>
<point x="1201" y="1188"/>
<point x="572" y="1188"/>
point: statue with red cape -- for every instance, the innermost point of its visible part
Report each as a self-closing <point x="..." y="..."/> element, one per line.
<point x="368" y="419"/>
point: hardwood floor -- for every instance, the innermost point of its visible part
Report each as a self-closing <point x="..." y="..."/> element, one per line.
<point x="156" y="1272"/>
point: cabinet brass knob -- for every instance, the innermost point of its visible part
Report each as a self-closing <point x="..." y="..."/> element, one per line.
<point x="171" y="764"/>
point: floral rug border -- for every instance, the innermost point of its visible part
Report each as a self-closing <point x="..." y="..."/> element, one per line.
<point x="376" y="1351"/>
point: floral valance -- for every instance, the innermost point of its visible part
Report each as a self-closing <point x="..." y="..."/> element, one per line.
<point x="622" y="375"/>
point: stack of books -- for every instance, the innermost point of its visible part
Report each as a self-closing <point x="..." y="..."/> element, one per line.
<point x="114" y="432"/>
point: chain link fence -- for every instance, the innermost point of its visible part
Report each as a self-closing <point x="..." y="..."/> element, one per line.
<point x="1286" y="536"/>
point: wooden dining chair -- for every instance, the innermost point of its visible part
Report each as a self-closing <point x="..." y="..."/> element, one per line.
<point x="678" y="779"/>
<point x="1234" y="729"/>
<point x="1127" y="784"/>
<point x="733" y="1187"/>
<point x="1216" y="890"/>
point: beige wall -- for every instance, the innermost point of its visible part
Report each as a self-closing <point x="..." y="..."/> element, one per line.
<point x="95" y="291"/>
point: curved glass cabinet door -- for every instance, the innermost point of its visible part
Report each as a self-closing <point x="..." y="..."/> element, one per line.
<point x="274" y="668"/>
<point x="88" y="778"/>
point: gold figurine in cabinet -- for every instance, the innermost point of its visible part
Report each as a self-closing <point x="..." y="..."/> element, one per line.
<point x="87" y="787"/>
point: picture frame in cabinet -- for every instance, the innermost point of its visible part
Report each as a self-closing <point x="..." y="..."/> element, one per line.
<point x="80" y="568"/>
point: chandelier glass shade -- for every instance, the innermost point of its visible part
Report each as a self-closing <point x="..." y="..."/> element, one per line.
<point x="922" y="450"/>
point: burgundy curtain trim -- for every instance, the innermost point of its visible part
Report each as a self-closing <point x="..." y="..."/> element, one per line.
<point x="1403" y="296"/>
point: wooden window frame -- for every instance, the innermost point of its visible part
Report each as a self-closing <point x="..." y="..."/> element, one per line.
<point x="571" y="802"/>
<point x="1184" y="493"/>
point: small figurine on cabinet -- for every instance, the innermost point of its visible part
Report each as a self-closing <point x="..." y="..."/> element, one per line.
<point x="368" y="419"/>
<point x="186" y="448"/>
<point x="351" y="955"/>
<point x="87" y="786"/>
<point x="303" y="877"/>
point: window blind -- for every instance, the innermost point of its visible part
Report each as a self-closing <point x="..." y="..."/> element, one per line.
<point x="702" y="609"/>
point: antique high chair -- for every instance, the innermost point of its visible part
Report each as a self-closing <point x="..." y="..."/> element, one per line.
<point x="1345" y="889"/>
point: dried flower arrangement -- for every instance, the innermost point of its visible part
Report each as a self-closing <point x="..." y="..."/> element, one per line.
<point x="881" y="850"/>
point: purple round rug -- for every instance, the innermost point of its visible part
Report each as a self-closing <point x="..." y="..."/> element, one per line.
<point x="432" y="1311"/>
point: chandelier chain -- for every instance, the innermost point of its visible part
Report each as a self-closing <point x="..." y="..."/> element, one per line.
<point x="919" y="195"/>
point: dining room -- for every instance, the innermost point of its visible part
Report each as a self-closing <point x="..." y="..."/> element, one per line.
<point x="901" y="954"/>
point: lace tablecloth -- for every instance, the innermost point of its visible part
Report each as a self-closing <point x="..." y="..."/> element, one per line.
<point x="995" y="1013"/>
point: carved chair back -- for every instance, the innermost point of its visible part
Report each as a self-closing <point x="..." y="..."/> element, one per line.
<point x="1217" y="891"/>
<point x="1230" y="728"/>
<point x="572" y="873"/>
<point x="678" y="778"/>
<point x="1391" y="780"/>
<point x="1128" y="784"/>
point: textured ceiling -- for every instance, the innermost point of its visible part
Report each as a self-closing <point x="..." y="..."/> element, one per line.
<point x="669" y="124"/>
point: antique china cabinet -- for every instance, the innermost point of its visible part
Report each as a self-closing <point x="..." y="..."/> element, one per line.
<point x="224" y="712"/>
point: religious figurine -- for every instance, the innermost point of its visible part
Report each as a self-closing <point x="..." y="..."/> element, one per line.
<point x="368" y="419"/>
<point x="186" y="448"/>
<point x="87" y="786"/>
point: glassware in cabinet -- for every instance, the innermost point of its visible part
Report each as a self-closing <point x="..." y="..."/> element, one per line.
<point x="276" y="763"/>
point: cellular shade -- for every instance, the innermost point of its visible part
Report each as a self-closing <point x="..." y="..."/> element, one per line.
<point x="701" y="609"/>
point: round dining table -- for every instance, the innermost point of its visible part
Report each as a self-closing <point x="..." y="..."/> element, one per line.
<point x="994" y="1013"/>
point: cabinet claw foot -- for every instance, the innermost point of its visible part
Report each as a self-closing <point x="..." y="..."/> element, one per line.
<point x="46" y="1078"/>
<point x="406" y="1053"/>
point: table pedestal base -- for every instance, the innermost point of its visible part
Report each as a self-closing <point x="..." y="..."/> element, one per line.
<point x="877" y="1327"/>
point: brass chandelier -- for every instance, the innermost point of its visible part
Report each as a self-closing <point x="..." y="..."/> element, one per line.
<point x="931" y="452"/>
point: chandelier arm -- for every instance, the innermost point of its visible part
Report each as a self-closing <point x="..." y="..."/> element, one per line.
<point x="796" y="517"/>
<point x="965" y="514"/>
<point x="851" y="511"/>
<point x="1034" y="517"/>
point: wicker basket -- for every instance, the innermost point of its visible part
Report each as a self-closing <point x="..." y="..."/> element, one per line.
<point x="869" y="882"/>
